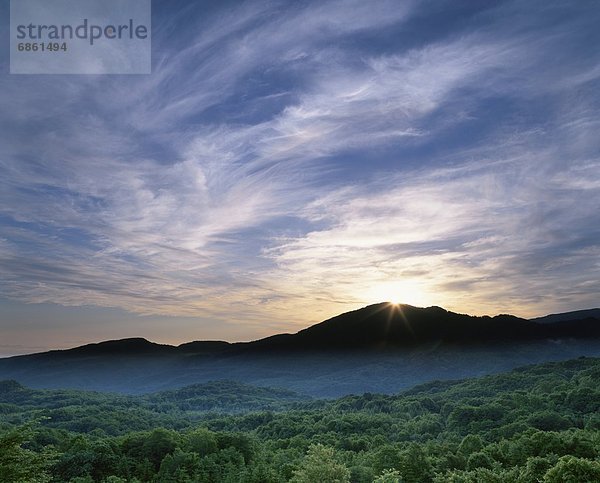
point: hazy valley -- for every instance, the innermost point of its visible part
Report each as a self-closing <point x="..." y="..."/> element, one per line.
<point x="382" y="348"/>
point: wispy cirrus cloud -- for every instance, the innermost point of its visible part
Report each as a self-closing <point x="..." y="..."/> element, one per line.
<point x="295" y="161"/>
<point x="453" y="237"/>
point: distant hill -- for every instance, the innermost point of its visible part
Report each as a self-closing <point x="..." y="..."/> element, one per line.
<point x="568" y="316"/>
<point x="134" y="345"/>
<point x="379" y="348"/>
<point x="377" y="326"/>
<point x="225" y="396"/>
<point x="388" y="325"/>
<point x="214" y="396"/>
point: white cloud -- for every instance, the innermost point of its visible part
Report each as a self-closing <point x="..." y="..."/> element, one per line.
<point x="133" y="193"/>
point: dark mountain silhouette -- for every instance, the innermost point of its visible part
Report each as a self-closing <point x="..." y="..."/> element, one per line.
<point x="568" y="316"/>
<point x="134" y="345"/>
<point x="388" y="326"/>
<point x="374" y="327"/>
<point x="204" y="347"/>
<point x="379" y="348"/>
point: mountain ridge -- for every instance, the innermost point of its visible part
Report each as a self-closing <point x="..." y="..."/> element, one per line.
<point x="378" y="348"/>
<point x="567" y="316"/>
<point x="391" y="326"/>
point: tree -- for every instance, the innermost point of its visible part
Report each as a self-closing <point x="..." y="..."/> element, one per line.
<point x="20" y="464"/>
<point x="570" y="469"/>
<point x="320" y="464"/>
<point x="470" y="444"/>
<point x="201" y="441"/>
<point x="479" y="459"/>
<point x="415" y="466"/>
<point x="386" y="457"/>
<point x="535" y="469"/>
<point x="389" y="476"/>
<point x="178" y="466"/>
<point x="159" y="443"/>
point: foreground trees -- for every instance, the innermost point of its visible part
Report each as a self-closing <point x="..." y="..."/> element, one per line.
<point x="20" y="464"/>
<point x="536" y="424"/>
<point x="321" y="464"/>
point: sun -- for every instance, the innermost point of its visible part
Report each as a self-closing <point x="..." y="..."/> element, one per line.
<point x="394" y="300"/>
<point x="396" y="293"/>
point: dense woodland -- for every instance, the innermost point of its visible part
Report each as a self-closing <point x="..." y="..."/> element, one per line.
<point x="539" y="423"/>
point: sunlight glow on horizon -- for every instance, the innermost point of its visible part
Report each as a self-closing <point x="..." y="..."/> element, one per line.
<point x="296" y="162"/>
<point x="400" y="292"/>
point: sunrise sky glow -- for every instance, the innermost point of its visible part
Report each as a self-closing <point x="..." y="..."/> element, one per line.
<point x="289" y="161"/>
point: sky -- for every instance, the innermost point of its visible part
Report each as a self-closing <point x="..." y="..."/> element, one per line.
<point x="285" y="162"/>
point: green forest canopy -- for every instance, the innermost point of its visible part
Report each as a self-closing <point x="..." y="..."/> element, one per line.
<point x="538" y="423"/>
